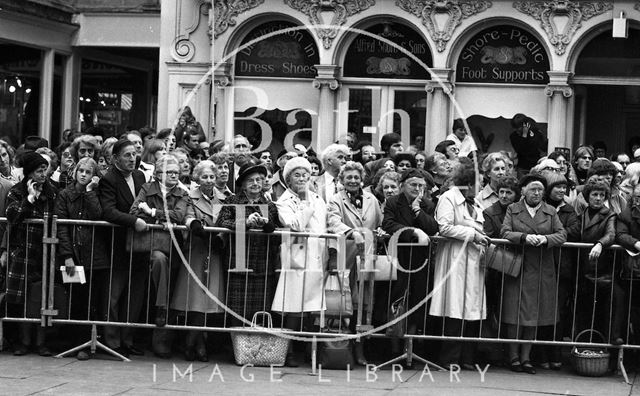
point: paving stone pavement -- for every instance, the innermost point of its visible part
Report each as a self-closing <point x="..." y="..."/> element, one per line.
<point x="148" y="375"/>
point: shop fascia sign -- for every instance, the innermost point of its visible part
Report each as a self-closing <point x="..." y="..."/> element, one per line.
<point x="503" y="55"/>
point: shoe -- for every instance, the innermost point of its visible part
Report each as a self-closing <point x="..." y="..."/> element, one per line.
<point x="189" y="355"/>
<point x="44" y="351"/>
<point x="545" y="365"/>
<point x="555" y="365"/>
<point x="291" y="360"/>
<point x="468" y="367"/>
<point x="122" y="351"/>
<point x="161" y="316"/>
<point x="528" y="368"/>
<point x="358" y="352"/>
<point x="20" y="350"/>
<point x="83" y="355"/>
<point x="515" y="365"/>
<point x="135" y="350"/>
<point x="202" y="356"/>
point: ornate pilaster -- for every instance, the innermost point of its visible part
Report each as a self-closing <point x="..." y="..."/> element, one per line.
<point x="341" y="9"/>
<point x="574" y="11"/>
<point x="225" y="12"/>
<point x="439" y="90"/>
<point x="456" y="10"/>
<point x="327" y="82"/>
<point x="182" y="48"/>
<point x="223" y="74"/>
<point x="559" y="92"/>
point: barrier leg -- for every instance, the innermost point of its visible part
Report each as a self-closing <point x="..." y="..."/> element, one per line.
<point x="314" y="355"/>
<point x="94" y="344"/>
<point x="621" y="366"/>
<point x="408" y="356"/>
<point x="1" y="335"/>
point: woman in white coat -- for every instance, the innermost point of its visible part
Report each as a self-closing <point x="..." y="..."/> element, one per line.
<point x="300" y="286"/>
<point x="460" y="298"/>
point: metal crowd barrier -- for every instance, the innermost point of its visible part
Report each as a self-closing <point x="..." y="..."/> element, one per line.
<point x="611" y="303"/>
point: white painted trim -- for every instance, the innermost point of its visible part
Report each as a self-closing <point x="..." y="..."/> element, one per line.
<point x="118" y="30"/>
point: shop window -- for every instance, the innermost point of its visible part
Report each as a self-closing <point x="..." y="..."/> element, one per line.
<point x="19" y="92"/>
<point x="290" y="126"/>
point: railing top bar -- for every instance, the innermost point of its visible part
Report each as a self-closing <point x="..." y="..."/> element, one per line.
<point x="101" y="223"/>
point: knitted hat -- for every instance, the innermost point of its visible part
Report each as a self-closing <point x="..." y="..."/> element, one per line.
<point x="295" y="163"/>
<point x="530" y="178"/>
<point x="554" y="179"/>
<point x="602" y="166"/>
<point x="31" y="161"/>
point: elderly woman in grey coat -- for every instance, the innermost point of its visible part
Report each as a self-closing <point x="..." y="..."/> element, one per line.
<point x="529" y="300"/>
<point x="354" y="213"/>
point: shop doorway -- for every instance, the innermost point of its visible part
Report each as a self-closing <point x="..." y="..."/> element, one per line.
<point x="607" y="92"/>
<point x="607" y="113"/>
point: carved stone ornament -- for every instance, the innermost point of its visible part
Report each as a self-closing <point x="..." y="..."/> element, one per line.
<point x="342" y="9"/>
<point x="445" y="86"/>
<point x="225" y="12"/>
<point x="457" y="10"/>
<point x="565" y="90"/>
<point x="575" y="11"/>
<point x="183" y="48"/>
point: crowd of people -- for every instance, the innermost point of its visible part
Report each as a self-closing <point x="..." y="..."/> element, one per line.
<point x="534" y="200"/>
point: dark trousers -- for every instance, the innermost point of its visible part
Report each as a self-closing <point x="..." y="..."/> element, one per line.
<point x="126" y="299"/>
<point x="602" y="307"/>
<point x="459" y="352"/>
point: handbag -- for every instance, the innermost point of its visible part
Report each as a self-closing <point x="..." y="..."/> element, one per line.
<point x="504" y="259"/>
<point x="383" y="266"/>
<point x="397" y="309"/>
<point x="337" y="301"/>
<point x="335" y="355"/>
<point x="147" y="241"/>
<point x="294" y="253"/>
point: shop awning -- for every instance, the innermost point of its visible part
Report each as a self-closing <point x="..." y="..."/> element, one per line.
<point x="275" y="94"/>
<point x="501" y="101"/>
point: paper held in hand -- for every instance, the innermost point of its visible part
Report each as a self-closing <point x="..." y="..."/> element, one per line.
<point x="78" y="277"/>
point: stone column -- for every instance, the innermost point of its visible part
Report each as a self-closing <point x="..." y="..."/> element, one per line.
<point x="46" y="94"/>
<point x="327" y="82"/>
<point x="559" y="92"/>
<point x="438" y="113"/>
<point x="222" y="105"/>
<point x="71" y="92"/>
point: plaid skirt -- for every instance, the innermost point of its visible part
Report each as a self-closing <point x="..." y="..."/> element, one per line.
<point x="249" y="293"/>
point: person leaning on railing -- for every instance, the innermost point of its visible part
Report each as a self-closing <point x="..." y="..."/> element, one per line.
<point x="600" y="302"/>
<point x="300" y="288"/>
<point x="350" y="212"/>
<point x="412" y="212"/>
<point x="529" y="300"/>
<point x="250" y="292"/>
<point x="29" y="199"/>
<point x="84" y="245"/>
<point x="162" y="201"/>
<point x="202" y="251"/>
<point x="628" y="235"/>
<point x="460" y="301"/>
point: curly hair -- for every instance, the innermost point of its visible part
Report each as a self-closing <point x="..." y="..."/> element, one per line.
<point x="351" y="166"/>
<point x="595" y="186"/>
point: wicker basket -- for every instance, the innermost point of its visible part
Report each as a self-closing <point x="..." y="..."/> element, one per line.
<point x="590" y="362"/>
<point x="258" y="345"/>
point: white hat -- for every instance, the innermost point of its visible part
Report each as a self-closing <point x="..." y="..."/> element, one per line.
<point x="636" y="153"/>
<point x="295" y="163"/>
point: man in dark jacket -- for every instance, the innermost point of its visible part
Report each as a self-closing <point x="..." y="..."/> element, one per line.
<point x="118" y="189"/>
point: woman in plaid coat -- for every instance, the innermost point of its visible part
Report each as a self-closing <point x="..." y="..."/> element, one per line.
<point x="251" y="291"/>
<point x="30" y="199"/>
